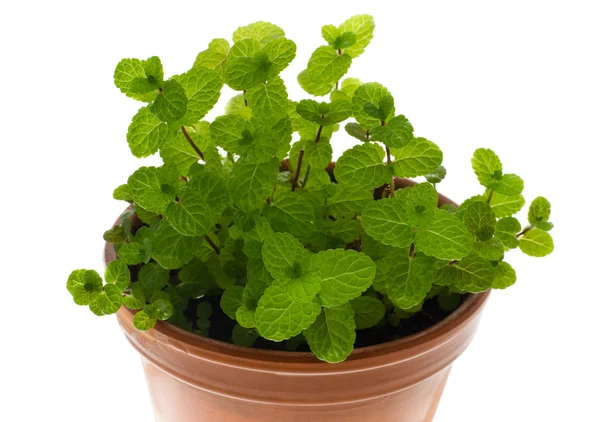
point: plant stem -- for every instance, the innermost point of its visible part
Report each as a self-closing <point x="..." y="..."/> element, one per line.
<point x="298" y="168"/>
<point x="490" y="197"/>
<point x="192" y="143"/>
<point x="212" y="244"/>
<point x="411" y="254"/>
<point x="318" y="138"/>
<point x="306" y="176"/>
<point x="525" y="230"/>
<point x="245" y="100"/>
<point x="389" y="163"/>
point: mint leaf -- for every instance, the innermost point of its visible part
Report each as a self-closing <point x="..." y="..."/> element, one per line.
<point x="480" y="220"/>
<point x="474" y="274"/>
<point x="487" y="166"/>
<point x="436" y="176"/>
<point x="191" y="215"/>
<point x="362" y="27"/>
<point x="536" y="243"/>
<point x="362" y="167"/>
<point x="268" y="101"/>
<point x="146" y="133"/>
<point x="491" y="249"/>
<point x="242" y="336"/>
<point x="318" y="155"/>
<point x="417" y="158"/>
<point x="283" y="255"/>
<point x="250" y="184"/>
<point x="505" y="206"/>
<point x="420" y="204"/>
<point x="263" y="32"/>
<point x="331" y="337"/>
<point x="347" y="230"/>
<point x="148" y="191"/>
<point x="344" y="274"/>
<point x="171" y="103"/>
<point x="506" y="231"/>
<point x="132" y="253"/>
<point x="85" y="286"/>
<point x="445" y="238"/>
<point x="324" y="114"/>
<point x="214" y="57"/>
<point x="384" y="221"/>
<point x="408" y="280"/>
<point x="280" y="318"/>
<point x="368" y="311"/>
<point x="144" y="322"/>
<point x="127" y="74"/>
<point x="280" y="53"/>
<point x="348" y="202"/>
<point x="397" y="133"/>
<point x="117" y="273"/>
<point x="291" y="212"/>
<point x="354" y="130"/>
<point x="121" y="193"/>
<point x="171" y="249"/>
<point x="230" y="131"/>
<point x="367" y="97"/>
<point x="504" y="276"/>
<point x="325" y="68"/>
<point x="179" y="152"/>
<point x="539" y="210"/>
<point x="202" y="89"/>
<point x="136" y="299"/>
<point x="231" y="300"/>
<point x="108" y="302"/>
<point x="302" y="288"/>
<point x="509" y="184"/>
<point x="152" y="278"/>
<point x="237" y="106"/>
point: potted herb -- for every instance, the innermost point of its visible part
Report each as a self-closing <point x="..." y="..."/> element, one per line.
<point x="248" y="264"/>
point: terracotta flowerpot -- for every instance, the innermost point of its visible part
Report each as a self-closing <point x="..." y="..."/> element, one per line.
<point x="197" y="379"/>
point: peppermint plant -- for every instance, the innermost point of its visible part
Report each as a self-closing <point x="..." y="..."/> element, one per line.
<point x="248" y="220"/>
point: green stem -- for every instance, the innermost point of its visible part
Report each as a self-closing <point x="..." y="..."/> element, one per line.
<point x="306" y="176"/>
<point x="411" y="253"/>
<point x="245" y="100"/>
<point x="490" y="196"/>
<point x="192" y="143"/>
<point x="212" y="244"/>
<point x="525" y="230"/>
<point x="389" y="163"/>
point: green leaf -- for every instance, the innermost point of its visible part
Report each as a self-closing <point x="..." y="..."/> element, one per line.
<point x="122" y="193"/>
<point x="283" y="255"/>
<point x="368" y="311"/>
<point x="153" y="70"/>
<point x="504" y="276"/>
<point x="202" y="89"/>
<point x="178" y="151"/>
<point x="117" y="235"/>
<point x="280" y="53"/>
<point x="152" y="278"/>
<point x="280" y="318"/>
<point x="324" y="114"/>
<point x="397" y="133"/>
<point x="480" y="220"/>
<point x="231" y="300"/>
<point x="384" y="221"/>
<point x="362" y="167"/>
<point x="251" y="184"/>
<point x="417" y="158"/>
<point x="244" y="337"/>
<point x="509" y="184"/>
<point x="325" y="68"/>
<point x="148" y="191"/>
<point x="331" y="337"/>
<point x="144" y="322"/>
<point x="117" y="272"/>
<point x="348" y="202"/>
<point x="506" y="231"/>
<point x="136" y="299"/>
<point x="536" y="243"/>
<point x="366" y="97"/>
<point x="291" y="212"/>
<point x="85" y="286"/>
<point x="344" y="274"/>
<point x="268" y="101"/>
<point x="237" y="106"/>
<point x="171" y="103"/>
<point x="171" y="249"/>
<point x="132" y="253"/>
<point x="420" y="204"/>
<point x="162" y="307"/>
<point x="263" y="32"/>
<point x="146" y="133"/>
<point x="487" y="166"/>
<point x="128" y="71"/>
<point x="318" y="155"/>
<point x="192" y="215"/>
<point x="409" y="280"/>
<point x="302" y="288"/>
<point x="214" y="57"/>
<point x="491" y="249"/>
<point x="108" y="302"/>
<point x="505" y="206"/>
<point x="474" y="274"/>
<point x="436" y="176"/>
<point x="445" y="238"/>
<point x="539" y="210"/>
<point x="354" y="130"/>
<point x="347" y="230"/>
<point x="362" y="27"/>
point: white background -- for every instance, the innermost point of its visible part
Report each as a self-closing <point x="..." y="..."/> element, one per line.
<point x="521" y="77"/>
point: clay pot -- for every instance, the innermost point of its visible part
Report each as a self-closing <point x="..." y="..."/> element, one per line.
<point x="197" y="379"/>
